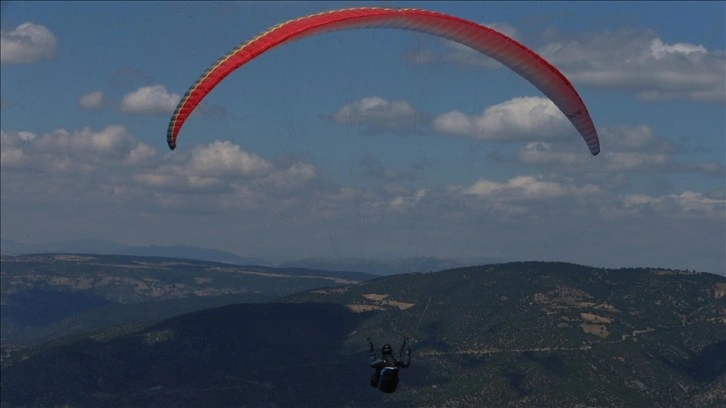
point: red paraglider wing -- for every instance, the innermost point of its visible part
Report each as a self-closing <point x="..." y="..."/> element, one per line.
<point x="492" y="43"/>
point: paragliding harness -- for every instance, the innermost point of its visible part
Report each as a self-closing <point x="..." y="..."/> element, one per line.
<point x="386" y="378"/>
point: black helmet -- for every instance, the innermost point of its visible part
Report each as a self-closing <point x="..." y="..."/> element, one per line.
<point x="386" y="349"/>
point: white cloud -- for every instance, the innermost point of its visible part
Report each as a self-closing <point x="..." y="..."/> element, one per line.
<point x="13" y="138"/>
<point x="76" y="151"/>
<point x="12" y="157"/>
<point x="527" y="188"/>
<point x="222" y="167"/>
<point x="154" y="179"/>
<point x="631" y="161"/>
<point x="140" y="153"/>
<point x="225" y="159"/>
<point x="372" y="107"/>
<point x="110" y="141"/>
<point x="293" y="177"/>
<point x="11" y="148"/>
<point x="27" y="43"/>
<point x="637" y="148"/>
<point x="542" y="153"/>
<point x="641" y="62"/>
<point x="404" y="203"/>
<point x="638" y="138"/>
<point x="628" y="149"/>
<point x="378" y="114"/>
<point x="111" y="166"/>
<point x="91" y="100"/>
<point x="635" y="60"/>
<point x="661" y="50"/>
<point x="153" y="99"/>
<point x="687" y="204"/>
<point x="519" y="119"/>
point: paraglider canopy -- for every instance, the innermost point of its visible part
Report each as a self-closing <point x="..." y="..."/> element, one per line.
<point x="490" y="42"/>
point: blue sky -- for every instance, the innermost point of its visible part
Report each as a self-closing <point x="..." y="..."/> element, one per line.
<point x="270" y="167"/>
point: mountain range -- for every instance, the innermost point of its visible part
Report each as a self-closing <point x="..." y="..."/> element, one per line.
<point x="375" y="266"/>
<point x="519" y="334"/>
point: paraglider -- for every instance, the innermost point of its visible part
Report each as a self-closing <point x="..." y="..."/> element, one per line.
<point x="492" y="43"/>
<point x="385" y="376"/>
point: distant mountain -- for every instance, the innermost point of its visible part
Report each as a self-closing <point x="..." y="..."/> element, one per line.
<point x="387" y="267"/>
<point x="88" y="246"/>
<point x="526" y="334"/>
<point x="374" y="266"/>
<point x="188" y="252"/>
<point x="91" y="246"/>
